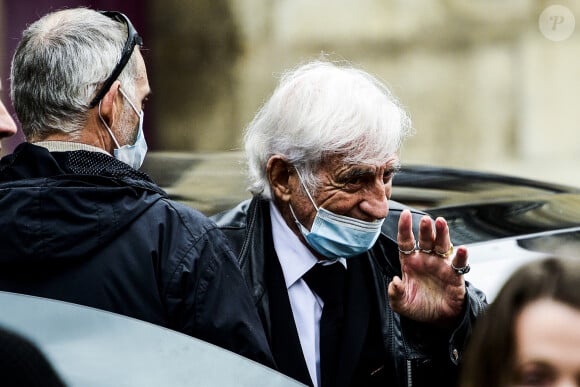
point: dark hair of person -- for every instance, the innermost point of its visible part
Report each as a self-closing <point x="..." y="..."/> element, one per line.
<point x="22" y="363"/>
<point x="490" y="355"/>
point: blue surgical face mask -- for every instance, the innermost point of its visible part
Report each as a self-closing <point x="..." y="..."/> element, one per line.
<point x="132" y="155"/>
<point x="338" y="236"/>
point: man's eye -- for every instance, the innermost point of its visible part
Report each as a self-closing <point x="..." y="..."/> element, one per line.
<point x="352" y="183"/>
<point x="388" y="175"/>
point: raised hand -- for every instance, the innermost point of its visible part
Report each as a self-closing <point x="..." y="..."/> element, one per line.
<point x="432" y="287"/>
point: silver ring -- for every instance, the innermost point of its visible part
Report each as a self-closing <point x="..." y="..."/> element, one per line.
<point x="407" y="252"/>
<point x="461" y="270"/>
<point x="423" y="250"/>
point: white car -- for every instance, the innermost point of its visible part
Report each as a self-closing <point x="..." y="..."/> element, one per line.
<point x="89" y="347"/>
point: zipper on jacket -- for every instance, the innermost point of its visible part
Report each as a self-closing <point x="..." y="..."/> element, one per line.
<point x="409" y="373"/>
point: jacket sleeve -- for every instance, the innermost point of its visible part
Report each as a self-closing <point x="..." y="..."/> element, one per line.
<point x="436" y="353"/>
<point x="475" y="305"/>
<point x="207" y="296"/>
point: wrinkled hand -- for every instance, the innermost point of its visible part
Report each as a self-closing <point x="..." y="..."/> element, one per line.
<point x="430" y="290"/>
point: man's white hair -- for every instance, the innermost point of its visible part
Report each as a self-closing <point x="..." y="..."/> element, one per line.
<point x="321" y="109"/>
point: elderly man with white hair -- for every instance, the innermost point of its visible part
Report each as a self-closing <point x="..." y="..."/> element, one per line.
<point x="348" y="296"/>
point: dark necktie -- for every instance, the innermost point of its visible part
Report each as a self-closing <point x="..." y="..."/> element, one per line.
<point x="329" y="282"/>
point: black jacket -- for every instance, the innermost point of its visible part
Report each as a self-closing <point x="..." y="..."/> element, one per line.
<point x="422" y="355"/>
<point x="86" y="228"/>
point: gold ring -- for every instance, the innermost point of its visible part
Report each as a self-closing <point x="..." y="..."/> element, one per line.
<point x="445" y="254"/>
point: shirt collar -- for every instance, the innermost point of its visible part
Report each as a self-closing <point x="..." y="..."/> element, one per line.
<point x="295" y="258"/>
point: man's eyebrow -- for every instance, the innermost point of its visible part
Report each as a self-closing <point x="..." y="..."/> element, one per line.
<point x="395" y="167"/>
<point x="393" y="164"/>
<point x="358" y="172"/>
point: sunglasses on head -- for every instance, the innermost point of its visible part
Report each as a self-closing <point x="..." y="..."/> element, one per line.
<point x="133" y="39"/>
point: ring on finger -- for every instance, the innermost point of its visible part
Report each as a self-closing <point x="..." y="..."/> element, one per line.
<point x="461" y="270"/>
<point x="446" y="253"/>
<point x="407" y="252"/>
<point x="426" y="251"/>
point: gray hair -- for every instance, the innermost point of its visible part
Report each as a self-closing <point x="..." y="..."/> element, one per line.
<point x="322" y="109"/>
<point x="58" y="66"/>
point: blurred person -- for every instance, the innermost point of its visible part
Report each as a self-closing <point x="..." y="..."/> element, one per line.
<point x="23" y="364"/>
<point x="79" y="222"/>
<point x="7" y="124"/>
<point x="529" y="335"/>
<point x="348" y="296"/>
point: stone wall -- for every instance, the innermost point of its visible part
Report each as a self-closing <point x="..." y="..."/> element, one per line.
<point x="486" y="84"/>
<point x="194" y="47"/>
<point x="485" y="87"/>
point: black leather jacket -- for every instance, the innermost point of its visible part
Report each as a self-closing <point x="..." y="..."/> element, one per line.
<point x="422" y="355"/>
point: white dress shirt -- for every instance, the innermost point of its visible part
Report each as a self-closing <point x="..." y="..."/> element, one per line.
<point x="296" y="259"/>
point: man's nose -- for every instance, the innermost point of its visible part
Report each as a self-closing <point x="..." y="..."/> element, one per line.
<point x="376" y="203"/>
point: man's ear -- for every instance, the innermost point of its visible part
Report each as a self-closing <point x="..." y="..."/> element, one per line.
<point x="279" y="171"/>
<point x="107" y="105"/>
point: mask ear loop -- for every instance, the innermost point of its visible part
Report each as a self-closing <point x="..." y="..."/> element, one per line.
<point x="130" y="103"/>
<point x="107" y="126"/>
<point x="295" y="218"/>
<point x="305" y="189"/>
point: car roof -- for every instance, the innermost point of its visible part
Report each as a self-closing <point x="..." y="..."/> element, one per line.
<point x="484" y="206"/>
<point x="91" y="347"/>
<point x="478" y="206"/>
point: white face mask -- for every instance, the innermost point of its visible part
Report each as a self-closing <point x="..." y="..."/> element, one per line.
<point x="133" y="155"/>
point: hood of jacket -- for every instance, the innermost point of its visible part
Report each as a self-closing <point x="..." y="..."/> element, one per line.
<point x="62" y="206"/>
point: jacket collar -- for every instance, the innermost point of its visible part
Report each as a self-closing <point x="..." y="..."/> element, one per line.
<point x="30" y="161"/>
